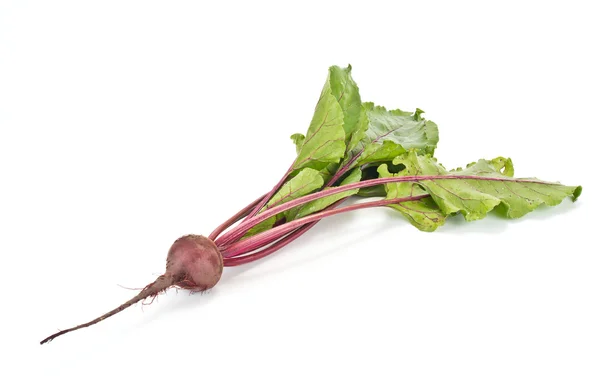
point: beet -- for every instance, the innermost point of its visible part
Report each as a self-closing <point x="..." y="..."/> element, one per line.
<point x="350" y="148"/>
<point x="193" y="263"/>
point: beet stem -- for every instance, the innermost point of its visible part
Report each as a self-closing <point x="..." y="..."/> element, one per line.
<point x="298" y="232"/>
<point x="235" y="218"/>
<point x="268" y="196"/>
<point x="260" y="239"/>
<point x="282" y="241"/>
<point x="248" y="223"/>
<point x="286" y="240"/>
<point x="340" y="172"/>
<point x="160" y="284"/>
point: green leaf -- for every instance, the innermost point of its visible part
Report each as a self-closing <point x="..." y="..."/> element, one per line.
<point x="369" y="172"/>
<point x="424" y="214"/>
<point x="328" y="172"/>
<point x="306" y="181"/>
<point x="325" y="140"/>
<point x="474" y="198"/>
<point x="345" y="90"/>
<point x="358" y="135"/>
<point x="391" y="133"/>
<point x="298" y="140"/>
<point x="320" y="204"/>
<point x="376" y="191"/>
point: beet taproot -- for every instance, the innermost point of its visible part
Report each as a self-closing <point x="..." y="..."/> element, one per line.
<point x="193" y="263"/>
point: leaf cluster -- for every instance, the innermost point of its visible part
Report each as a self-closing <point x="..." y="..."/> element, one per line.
<point x="349" y="141"/>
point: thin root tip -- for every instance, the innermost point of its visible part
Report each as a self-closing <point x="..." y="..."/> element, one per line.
<point x="52" y="337"/>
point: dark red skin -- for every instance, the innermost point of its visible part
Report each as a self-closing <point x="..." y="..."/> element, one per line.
<point x="198" y="260"/>
<point x="193" y="263"/>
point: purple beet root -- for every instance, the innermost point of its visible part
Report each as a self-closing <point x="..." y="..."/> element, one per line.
<point x="193" y="263"/>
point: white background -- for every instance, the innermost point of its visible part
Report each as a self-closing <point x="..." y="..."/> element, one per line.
<point x="127" y="124"/>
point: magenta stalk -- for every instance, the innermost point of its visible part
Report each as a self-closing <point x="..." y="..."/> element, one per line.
<point x="235" y="218"/>
<point x="282" y="241"/>
<point x="259" y="240"/>
<point x="268" y="196"/>
<point x="236" y="261"/>
<point x="237" y="232"/>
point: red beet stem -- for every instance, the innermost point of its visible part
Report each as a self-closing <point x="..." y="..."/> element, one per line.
<point x="235" y="218"/>
<point x="243" y="227"/>
<point x="281" y="242"/>
<point x="268" y="196"/>
<point x="342" y="171"/>
<point x="160" y="284"/>
<point x="261" y="239"/>
<point x="290" y="237"/>
<point x="236" y="261"/>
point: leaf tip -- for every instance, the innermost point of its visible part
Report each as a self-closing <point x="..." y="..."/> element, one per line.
<point x="577" y="193"/>
<point x="417" y="115"/>
<point x="509" y="168"/>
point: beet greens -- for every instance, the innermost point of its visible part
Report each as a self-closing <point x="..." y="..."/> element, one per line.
<point x="351" y="148"/>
